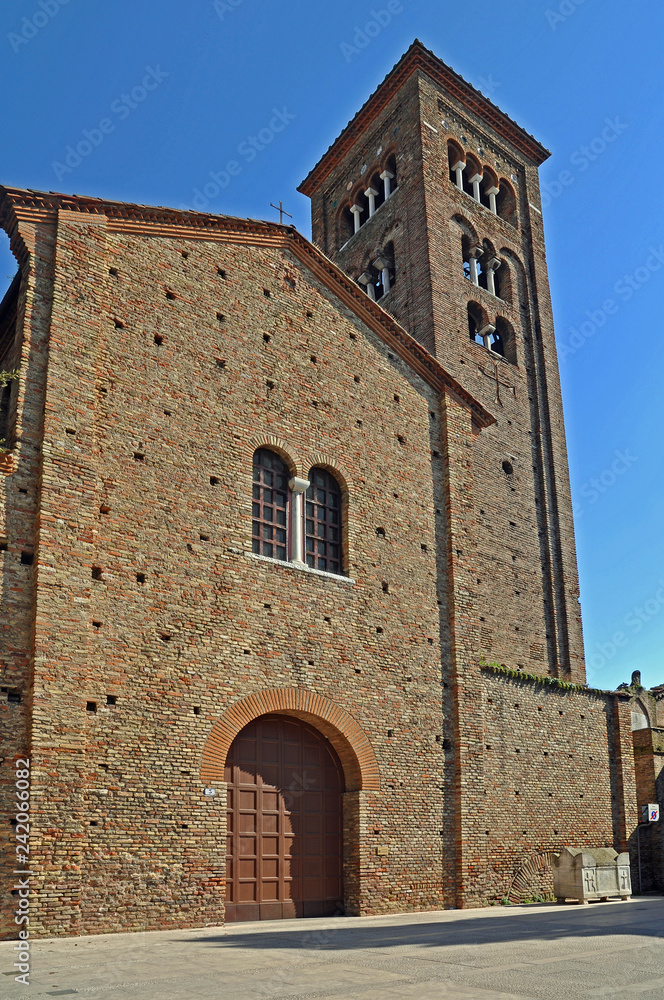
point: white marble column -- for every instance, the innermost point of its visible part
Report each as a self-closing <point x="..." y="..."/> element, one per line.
<point x="357" y="212"/>
<point x="298" y="488"/>
<point x="383" y="264"/>
<point x="492" y="266"/>
<point x="371" y="194"/>
<point x="386" y="178"/>
<point x="366" y="279"/>
<point x="476" y="180"/>
<point x="473" y="255"/>
<point x="492" y="192"/>
<point x="485" y="333"/>
<point x="458" y="169"/>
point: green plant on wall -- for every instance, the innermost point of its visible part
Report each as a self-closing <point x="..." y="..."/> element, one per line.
<point x="5" y="379"/>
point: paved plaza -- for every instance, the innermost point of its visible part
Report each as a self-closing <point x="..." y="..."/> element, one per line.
<point x="611" y="949"/>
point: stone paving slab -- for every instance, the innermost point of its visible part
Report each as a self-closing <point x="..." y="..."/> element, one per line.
<point x="550" y="952"/>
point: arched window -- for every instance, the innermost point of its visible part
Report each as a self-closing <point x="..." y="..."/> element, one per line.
<point x="506" y="203"/>
<point x="359" y="209"/>
<point x="504" y="341"/>
<point x="389" y="176"/>
<point x="456" y="163"/>
<point x="322" y="524"/>
<point x="379" y="276"/>
<point x="384" y="264"/>
<point x="477" y="323"/>
<point x="270" y="505"/>
<point x="489" y="190"/>
<point x="346" y="225"/>
<point x="376" y="198"/>
<point x="472" y="177"/>
<point x="640" y="718"/>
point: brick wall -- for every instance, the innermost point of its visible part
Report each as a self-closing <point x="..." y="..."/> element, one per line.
<point x="554" y="773"/>
<point x="211" y="623"/>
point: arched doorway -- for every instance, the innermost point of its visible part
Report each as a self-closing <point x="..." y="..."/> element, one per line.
<point x="285" y="822"/>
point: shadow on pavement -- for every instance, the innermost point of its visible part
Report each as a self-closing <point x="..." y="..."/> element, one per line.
<point x="642" y="917"/>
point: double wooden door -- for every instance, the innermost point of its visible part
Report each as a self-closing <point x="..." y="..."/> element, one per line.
<point x="285" y="826"/>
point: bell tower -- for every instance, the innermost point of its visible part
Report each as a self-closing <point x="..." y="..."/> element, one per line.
<point x="430" y="200"/>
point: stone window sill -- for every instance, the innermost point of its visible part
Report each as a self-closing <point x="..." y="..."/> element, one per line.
<point x="302" y="568"/>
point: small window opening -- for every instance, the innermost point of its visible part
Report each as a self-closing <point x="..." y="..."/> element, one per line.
<point x="214" y="481"/>
<point x="220" y="362"/>
<point x="170" y="295"/>
<point x="158" y="339"/>
<point x="140" y="578"/>
<point x="27" y="558"/>
<point x="96" y="572"/>
<point x="14" y="697"/>
<point x="118" y="324"/>
<point x="267" y="338"/>
<point x="221" y="272"/>
<point x="221" y="317"/>
<point x="111" y="699"/>
<point x="508" y="468"/>
<point x="91" y="706"/>
<point x="267" y="293"/>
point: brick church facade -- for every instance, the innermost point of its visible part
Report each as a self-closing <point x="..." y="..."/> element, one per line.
<point x="290" y="619"/>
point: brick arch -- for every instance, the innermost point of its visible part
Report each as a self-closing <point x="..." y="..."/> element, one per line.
<point x="332" y="465"/>
<point x="277" y="445"/>
<point x="465" y="226"/>
<point x="346" y="736"/>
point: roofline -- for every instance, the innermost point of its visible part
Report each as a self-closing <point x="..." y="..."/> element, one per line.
<point x="18" y="205"/>
<point x="418" y="57"/>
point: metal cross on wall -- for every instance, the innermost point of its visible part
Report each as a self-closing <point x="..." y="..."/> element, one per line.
<point x="280" y="209"/>
<point x="494" y="375"/>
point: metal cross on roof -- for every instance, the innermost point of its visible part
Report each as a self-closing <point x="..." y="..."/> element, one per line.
<point x="280" y="209"/>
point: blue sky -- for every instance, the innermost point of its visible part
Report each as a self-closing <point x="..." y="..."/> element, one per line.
<point x="584" y="76"/>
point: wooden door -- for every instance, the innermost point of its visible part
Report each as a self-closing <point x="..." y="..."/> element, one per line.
<point x="285" y="828"/>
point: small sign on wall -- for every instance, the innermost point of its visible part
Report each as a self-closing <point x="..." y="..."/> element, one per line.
<point x="650" y="813"/>
<point x="210" y="791"/>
